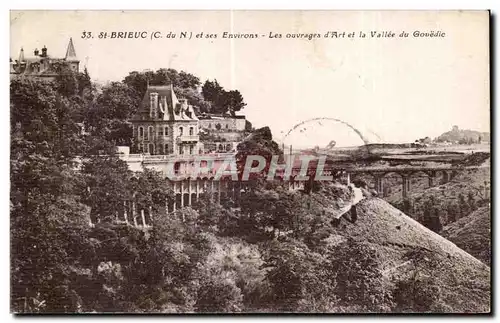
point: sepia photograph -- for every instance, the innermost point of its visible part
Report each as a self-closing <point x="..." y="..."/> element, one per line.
<point x="250" y="161"/>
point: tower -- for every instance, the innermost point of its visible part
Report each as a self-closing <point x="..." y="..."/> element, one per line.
<point x="71" y="56"/>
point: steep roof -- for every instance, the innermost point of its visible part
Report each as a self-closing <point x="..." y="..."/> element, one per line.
<point x="175" y="111"/>
<point x="70" y="52"/>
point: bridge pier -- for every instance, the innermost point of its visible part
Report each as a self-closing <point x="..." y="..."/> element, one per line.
<point x="348" y="178"/>
<point x="431" y="175"/>
<point x="406" y="185"/>
<point x="446" y="177"/>
<point x="379" y="184"/>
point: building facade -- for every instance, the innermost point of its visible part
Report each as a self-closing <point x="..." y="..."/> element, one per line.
<point x="43" y="66"/>
<point x="221" y="133"/>
<point x="165" y="125"/>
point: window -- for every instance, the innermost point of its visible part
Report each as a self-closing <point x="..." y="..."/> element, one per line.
<point x="181" y="150"/>
<point x="180" y="130"/>
<point x="139" y="148"/>
<point x="218" y="126"/>
<point x="160" y="132"/>
<point x="165" y="130"/>
<point x="151" y="149"/>
<point x="141" y="132"/>
<point x="227" y="126"/>
<point x="160" y="150"/>
<point x="151" y="132"/>
<point x="166" y="149"/>
<point x="190" y="131"/>
<point x="191" y="149"/>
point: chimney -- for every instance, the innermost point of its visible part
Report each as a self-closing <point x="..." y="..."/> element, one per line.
<point x="44" y="51"/>
<point x="183" y="103"/>
<point x="36" y="52"/>
<point x="153" y="108"/>
<point x="163" y="107"/>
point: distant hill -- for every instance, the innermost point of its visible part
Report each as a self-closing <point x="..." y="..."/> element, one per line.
<point x="472" y="234"/>
<point x="464" y="136"/>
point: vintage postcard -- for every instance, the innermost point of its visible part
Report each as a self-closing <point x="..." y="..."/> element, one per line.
<point x="250" y="162"/>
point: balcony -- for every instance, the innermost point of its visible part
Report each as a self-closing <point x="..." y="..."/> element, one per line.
<point x="188" y="138"/>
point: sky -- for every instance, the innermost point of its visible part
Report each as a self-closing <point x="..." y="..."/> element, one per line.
<point x="391" y="89"/>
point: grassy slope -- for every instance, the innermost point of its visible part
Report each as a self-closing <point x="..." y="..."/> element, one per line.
<point x="464" y="281"/>
<point x="472" y="233"/>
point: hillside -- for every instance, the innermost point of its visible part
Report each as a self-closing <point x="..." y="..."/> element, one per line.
<point x="461" y="280"/>
<point x="472" y="234"/>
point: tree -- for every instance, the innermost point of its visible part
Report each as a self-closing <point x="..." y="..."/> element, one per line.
<point x="151" y="190"/>
<point x="106" y="186"/>
<point x="234" y="101"/>
<point x="419" y="292"/>
<point x="463" y="206"/>
<point x="296" y="276"/>
<point x="358" y="277"/>
<point x="471" y="201"/>
<point x="139" y="82"/>
<point x="108" y="117"/>
<point x="43" y="121"/>
<point x="407" y="206"/>
<point x="48" y="219"/>
<point x="259" y="143"/>
<point x="427" y="216"/>
<point x="453" y="211"/>
<point x="187" y="81"/>
<point x="211" y="91"/>
<point x="248" y="126"/>
<point x="436" y="225"/>
<point x="194" y="98"/>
